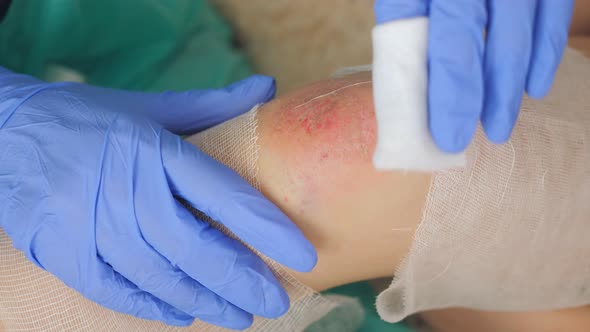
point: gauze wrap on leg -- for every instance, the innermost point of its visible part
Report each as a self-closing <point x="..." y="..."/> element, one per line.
<point x="510" y="232"/>
<point x="32" y="299"/>
<point x="400" y="82"/>
<point x="234" y="143"/>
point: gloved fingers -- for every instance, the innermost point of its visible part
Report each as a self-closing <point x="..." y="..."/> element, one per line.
<point x="223" y="195"/>
<point x="218" y="262"/>
<point x="156" y="275"/>
<point x="108" y="288"/>
<point x="191" y="111"/>
<point x="455" y="67"/>
<point x="550" y="40"/>
<point x="11" y="82"/>
<point x="390" y="10"/>
<point x="507" y="58"/>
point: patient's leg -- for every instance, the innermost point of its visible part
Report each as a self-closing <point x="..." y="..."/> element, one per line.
<point x="464" y="320"/>
<point x="314" y="162"/>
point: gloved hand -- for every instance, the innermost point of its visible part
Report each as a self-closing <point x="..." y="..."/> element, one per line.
<point x="469" y="80"/>
<point x="88" y="179"/>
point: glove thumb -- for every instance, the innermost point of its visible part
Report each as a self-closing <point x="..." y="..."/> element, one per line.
<point x="195" y="110"/>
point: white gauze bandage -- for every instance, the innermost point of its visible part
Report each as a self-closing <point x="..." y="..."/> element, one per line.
<point x="400" y="82"/>
<point x="31" y="299"/>
<point x="509" y="232"/>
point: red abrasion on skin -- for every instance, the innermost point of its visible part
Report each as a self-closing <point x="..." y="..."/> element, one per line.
<point x="338" y="124"/>
<point x="330" y="127"/>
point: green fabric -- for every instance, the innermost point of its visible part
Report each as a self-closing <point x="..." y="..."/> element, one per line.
<point x="130" y="44"/>
<point x="366" y="296"/>
<point x="347" y="317"/>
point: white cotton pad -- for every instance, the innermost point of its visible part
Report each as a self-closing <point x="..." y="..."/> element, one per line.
<point x="400" y="82"/>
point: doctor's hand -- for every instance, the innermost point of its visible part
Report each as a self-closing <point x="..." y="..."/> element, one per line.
<point x="470" y="79"/>
<point x="88" y="180"/>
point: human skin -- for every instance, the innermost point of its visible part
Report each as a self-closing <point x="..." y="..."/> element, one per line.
<point x="315" y="164"/>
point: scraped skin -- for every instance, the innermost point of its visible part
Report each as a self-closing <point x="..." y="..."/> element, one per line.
<point x="315" y="163"/>
<point x="464" y="320"/>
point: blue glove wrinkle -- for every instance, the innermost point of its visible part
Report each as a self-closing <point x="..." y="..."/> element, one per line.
<point x="8" y="114"/>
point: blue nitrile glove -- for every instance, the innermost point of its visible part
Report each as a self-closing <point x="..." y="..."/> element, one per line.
<point x="471" y="80"/>
<point x="87" y="186"/>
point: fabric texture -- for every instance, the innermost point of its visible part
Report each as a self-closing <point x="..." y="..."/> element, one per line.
<point x="510" y="231"/>
<point x="134" y="44"/>
<point x="400" y="81"/>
